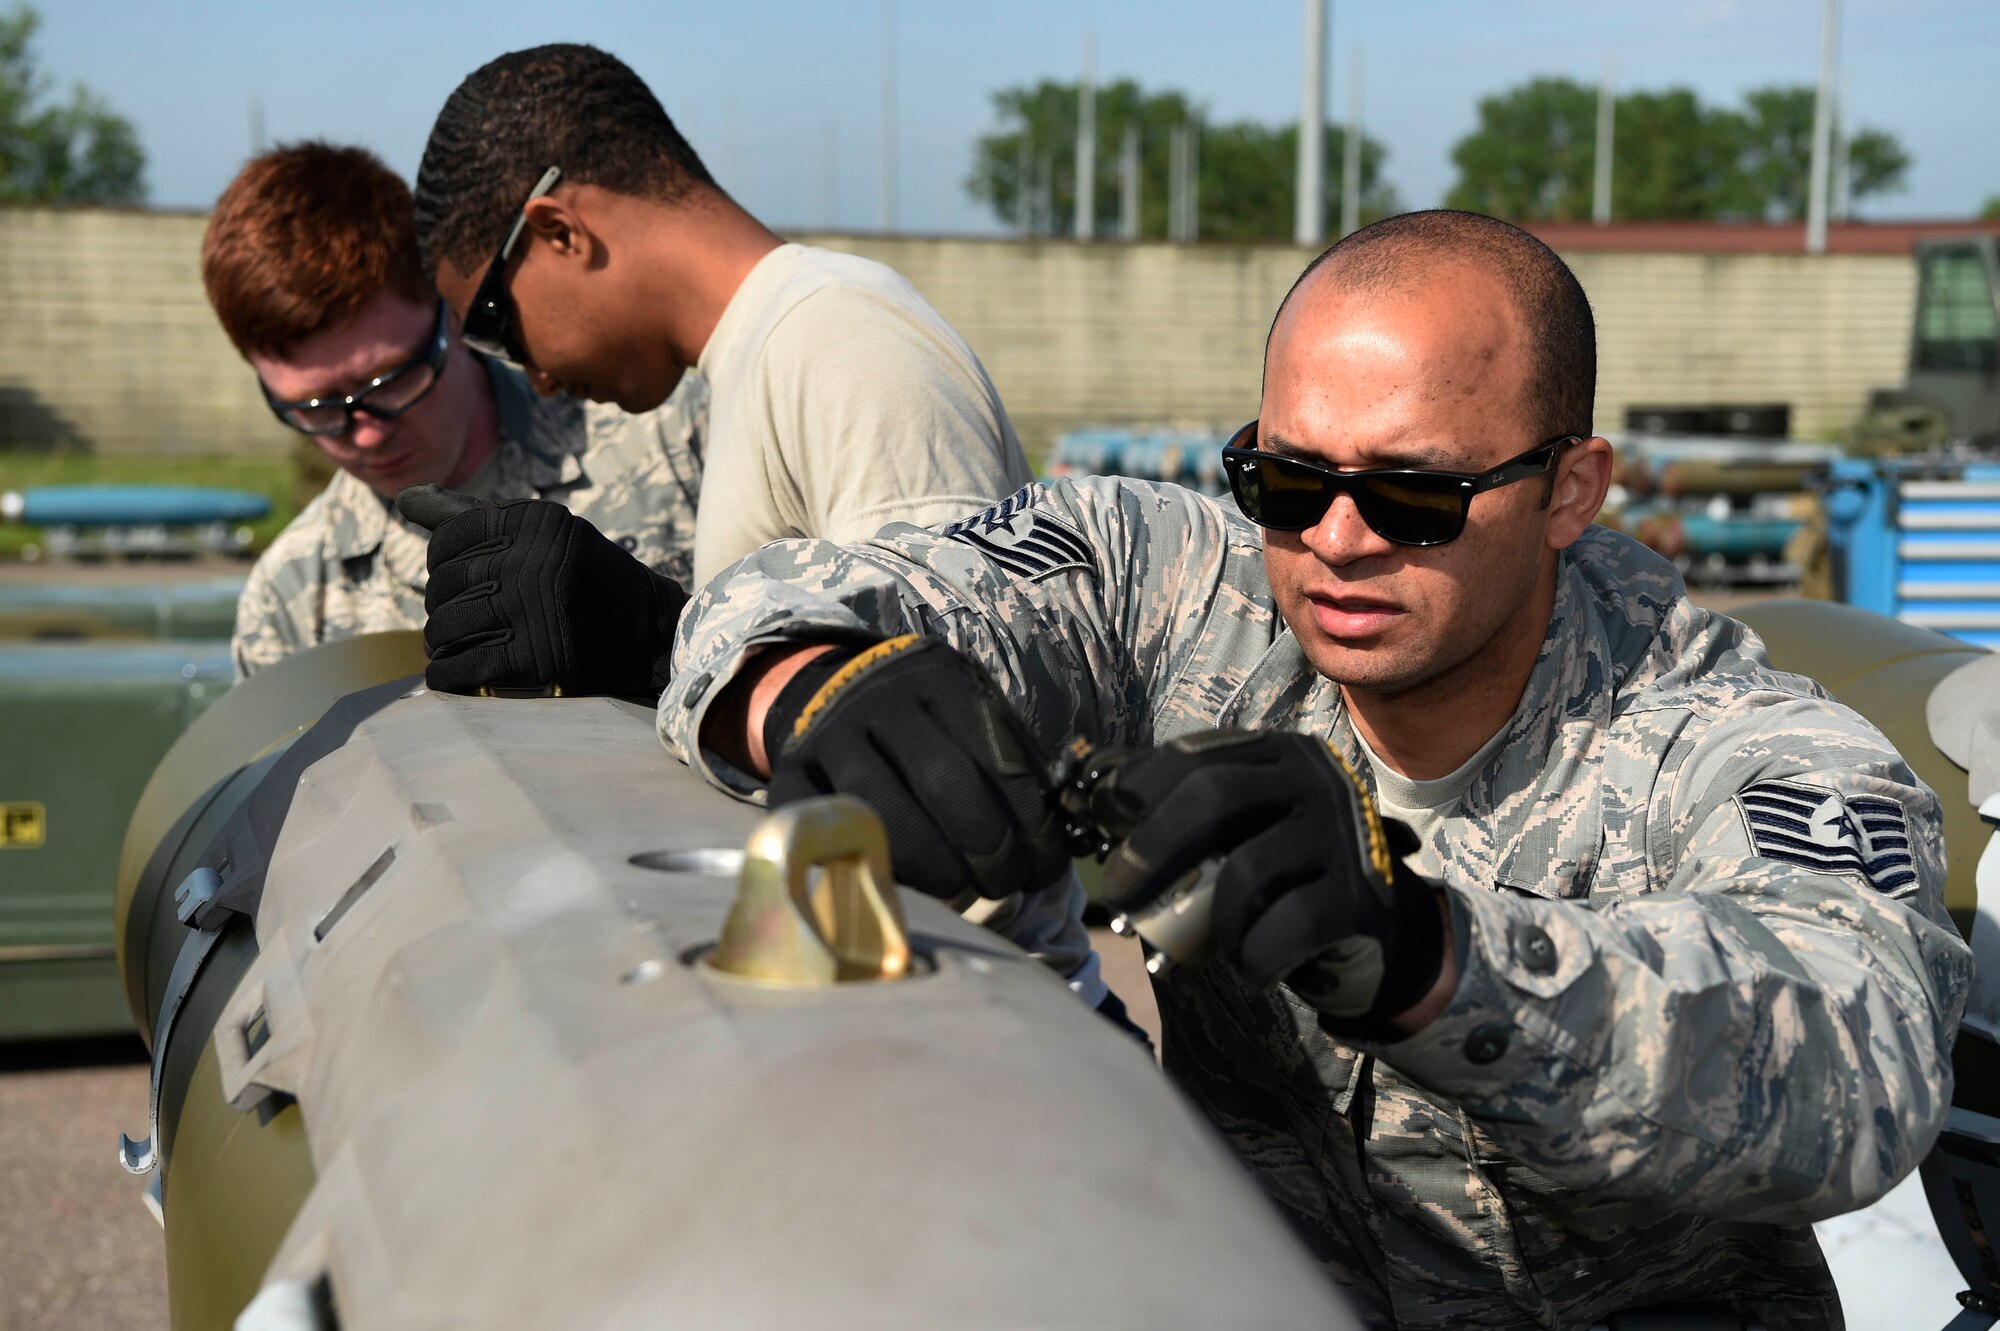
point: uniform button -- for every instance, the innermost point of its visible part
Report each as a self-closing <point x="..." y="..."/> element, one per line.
<point x="1535" y="949"/>
<point x="1486" y="1044"/>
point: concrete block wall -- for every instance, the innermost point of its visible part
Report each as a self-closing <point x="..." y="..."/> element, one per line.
<point x="107" y="342"/>
<point x="1816" y="331"/>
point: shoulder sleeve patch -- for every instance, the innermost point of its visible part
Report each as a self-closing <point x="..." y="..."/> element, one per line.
<point x="1818" y="829"/>
<point x="1022" y="539"/>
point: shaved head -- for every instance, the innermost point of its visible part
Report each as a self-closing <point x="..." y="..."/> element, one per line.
<point x="1402" y="253"/>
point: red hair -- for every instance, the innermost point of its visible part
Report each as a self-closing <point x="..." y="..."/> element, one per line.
<point x="303" y="238"/>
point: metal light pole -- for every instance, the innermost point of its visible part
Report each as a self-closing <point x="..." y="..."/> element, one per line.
<point x="1350" y="151"/>
<point x="1309" y="217"/>
<point x="1024" y="190"/>
<point x="1843" y="142"/>
<point x="1607" y="108"/>
<point x="1191" y="229"/>
<point x="1128" y="184"/>
<point x="1822" y="144"/>
<point x="1086" y="143"/>
<point x="886" y="211"/>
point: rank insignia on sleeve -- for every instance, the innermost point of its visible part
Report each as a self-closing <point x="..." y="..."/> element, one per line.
<point x="1817" y="829"/>
<point x="1021" y="539"/>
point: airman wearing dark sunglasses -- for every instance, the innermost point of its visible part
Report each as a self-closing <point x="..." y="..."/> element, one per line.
<point x="1568" y="959"/>
<point x="582" y="236"/>
<point x="311" y="263"/>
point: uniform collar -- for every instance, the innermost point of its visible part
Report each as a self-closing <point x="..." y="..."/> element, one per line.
<point x="544" y="437"/>
<point x="1546" y="783"/>
<point x="1521" y="811"/>
<point x="356" y="517"/>
<point x="539" y="447"/>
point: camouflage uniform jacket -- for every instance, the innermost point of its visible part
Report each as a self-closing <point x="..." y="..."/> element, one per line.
<point x="1679" y="1035"/>
<point x="348" y="564"/>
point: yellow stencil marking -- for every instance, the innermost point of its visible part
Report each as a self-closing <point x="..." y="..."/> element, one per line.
<point x="24" y="825"/>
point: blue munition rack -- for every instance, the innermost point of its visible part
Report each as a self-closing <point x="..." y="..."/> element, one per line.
<point x="132" y="505"/>
<point x="1919" y="539"/>
<point x="1183" y="456"/>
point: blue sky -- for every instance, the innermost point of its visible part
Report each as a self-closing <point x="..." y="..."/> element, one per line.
<point x="762" y="88"/>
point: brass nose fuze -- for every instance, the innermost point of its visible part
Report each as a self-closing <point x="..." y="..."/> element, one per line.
<point x="815" y="902"/>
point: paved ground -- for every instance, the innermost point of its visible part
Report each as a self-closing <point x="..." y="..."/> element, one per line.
<point x="78" y="1249"/>
<point x="122" y="572"/>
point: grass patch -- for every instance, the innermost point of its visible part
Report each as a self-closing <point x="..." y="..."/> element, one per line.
<point x="271" y="477"/>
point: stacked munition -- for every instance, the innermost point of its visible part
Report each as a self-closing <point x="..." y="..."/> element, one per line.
<point x="476" y="1012"/>
<point x="1189" y="457"/>
<point x="1723" y="512"/>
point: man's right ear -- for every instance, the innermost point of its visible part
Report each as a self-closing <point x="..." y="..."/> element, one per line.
<point x="558" y="225"/>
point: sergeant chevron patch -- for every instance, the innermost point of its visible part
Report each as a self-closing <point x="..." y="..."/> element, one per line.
<point x="1817" y="829"/>
<point x="1025" y="542"/>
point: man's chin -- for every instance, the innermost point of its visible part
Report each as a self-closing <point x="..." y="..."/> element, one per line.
<point x="387" y="485"/>
<point x="1371" y="669"/>
<point x="633" y="404"/>
<point x="647" y="397"/>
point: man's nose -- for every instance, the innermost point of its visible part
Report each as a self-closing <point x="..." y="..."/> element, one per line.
<point x="368" y="431"/>
<point x="1342" y="536"/>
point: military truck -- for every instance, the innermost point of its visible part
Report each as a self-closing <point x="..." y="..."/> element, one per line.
<point x="1953" y="389"/>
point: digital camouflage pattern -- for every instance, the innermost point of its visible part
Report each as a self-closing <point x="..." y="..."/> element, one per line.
<point x="1667" y="1053"/>
<point x="348" y="564"/>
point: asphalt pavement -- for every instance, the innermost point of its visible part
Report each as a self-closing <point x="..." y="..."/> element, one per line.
<point x="78" y="1248"/>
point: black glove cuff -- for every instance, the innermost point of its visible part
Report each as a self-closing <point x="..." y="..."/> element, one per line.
<point x="669" y="600"/>
<point x="1417" y="957"/>
<point x="800" y="689"/>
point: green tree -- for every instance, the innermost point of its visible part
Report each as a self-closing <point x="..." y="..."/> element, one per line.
<point x="1777" y="158"/>
<point x="1249" y="173"/>
<point x="1026" y="169"/>
<point x="1673" y="158"/>
<point x="1991" y="211"/>
<point x="77" y="150"/>
<point x="1533" y="155"/>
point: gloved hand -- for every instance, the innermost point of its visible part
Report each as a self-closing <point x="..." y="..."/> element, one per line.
<point x="922" y="735"/>
<point x="525" y="595"/>
<point x="1313" y="890"/>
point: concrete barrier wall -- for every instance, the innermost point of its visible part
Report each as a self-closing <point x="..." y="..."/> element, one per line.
<point x="107" y="343"/>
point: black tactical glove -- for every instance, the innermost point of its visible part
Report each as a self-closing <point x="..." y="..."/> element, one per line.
<point x="922" y="735"/>
<point x="527" y="595"/>
<point x="1312" y="891"/>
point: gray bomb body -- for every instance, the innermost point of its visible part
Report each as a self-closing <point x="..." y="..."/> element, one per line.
<point x="468" y="988"/>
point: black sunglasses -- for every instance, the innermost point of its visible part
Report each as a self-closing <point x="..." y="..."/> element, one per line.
<point x="1405" y="505"/>
<point x="386" y="396"/>
<point x="489" y="320"/>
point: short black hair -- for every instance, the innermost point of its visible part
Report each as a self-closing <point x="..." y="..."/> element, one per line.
<point x="567" y="105"/>
<point x="1397" y="251"/>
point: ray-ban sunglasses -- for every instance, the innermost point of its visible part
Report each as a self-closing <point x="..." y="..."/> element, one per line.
<point x="489" y="319"/>
<point x="1409" y="506"/>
